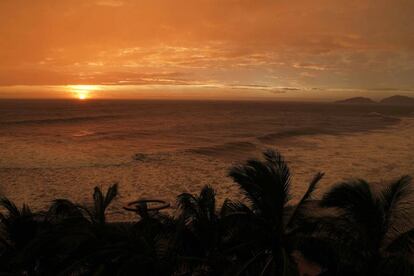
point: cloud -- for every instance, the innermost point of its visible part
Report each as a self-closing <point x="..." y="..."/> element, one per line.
<point x="356" y="43"/>
<point x="43" y="77"/>
<point x="110" y="3"/>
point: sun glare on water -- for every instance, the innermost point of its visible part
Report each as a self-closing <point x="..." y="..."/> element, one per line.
<point x="83" y="92"/>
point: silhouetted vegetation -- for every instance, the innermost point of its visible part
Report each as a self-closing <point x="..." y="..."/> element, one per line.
<point x="351" y="230"/>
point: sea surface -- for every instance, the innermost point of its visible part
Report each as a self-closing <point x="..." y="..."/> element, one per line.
<point x="158" y="149"/>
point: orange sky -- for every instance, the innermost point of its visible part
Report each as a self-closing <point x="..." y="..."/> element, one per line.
<point x="241" y="46"/>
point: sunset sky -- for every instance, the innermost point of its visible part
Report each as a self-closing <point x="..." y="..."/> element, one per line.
<point x="205" y="47"/>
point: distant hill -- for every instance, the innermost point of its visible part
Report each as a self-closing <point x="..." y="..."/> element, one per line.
<point x="399" y="100"/>
<point x="356" y="100"/>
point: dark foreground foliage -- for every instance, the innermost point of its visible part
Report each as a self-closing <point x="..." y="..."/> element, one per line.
<point x="352" y="230"/>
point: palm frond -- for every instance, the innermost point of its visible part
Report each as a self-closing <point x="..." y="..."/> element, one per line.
<point x="394" y="194"/>
<point x="62" y="209"/>
<point x="201" y="208"/>
<point x="187" y="204"/>
<point x="207" y="202"/>
<point x="267" y="265"/>
<point x="26" y="211"/>
<point x="403" y="244"/>
<point x="333" y="227"/>
<point x="111" y="193"/>
<point x="357" y="200"/>
<point x="231" y="207"/>
<point x="101" y="202"/>
<point x="265" y="184"/>
<point x="276" y="159"/>
<point x="12" y="209"/>
<point x="306" y="197"/>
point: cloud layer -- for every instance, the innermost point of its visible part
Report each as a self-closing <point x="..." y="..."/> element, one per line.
<point x="271" y="43"/>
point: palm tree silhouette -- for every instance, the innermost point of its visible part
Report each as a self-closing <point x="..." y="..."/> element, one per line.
<point x="202" y="231"/>
<point x="101" y="202"/>
<point x="374" y="220"/>
<point x="352" y="230"/>
<point x="18" y="225"/>
<point x="124" y="248"/>
<point x="71" y="235"/>
<point x="269" y="219"/>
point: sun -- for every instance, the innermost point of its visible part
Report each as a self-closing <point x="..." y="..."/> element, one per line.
<point x="83" y="95"/>
<point x="83" y="92"/>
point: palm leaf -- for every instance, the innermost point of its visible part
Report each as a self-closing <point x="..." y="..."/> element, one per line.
<point x="306" y="197"/>
<point x="403" y="244"/>
<point x="188" y="205"/>
<point x="392" y="195"/>
<point x="207" y="202"/>
<point x="230" y="207"/>
<point x="11" y="208"/>
<point x="357" y="200"/>
<point x="265" y="184"/>
<point x="101" y="203"/>
<point x="111" y="193"/>
<point x="275" y="159"/>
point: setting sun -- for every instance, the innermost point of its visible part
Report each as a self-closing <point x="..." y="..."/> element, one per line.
<point x="83" y="92"/>
<point x="83" y="96"/>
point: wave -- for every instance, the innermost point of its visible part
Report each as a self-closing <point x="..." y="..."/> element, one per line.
<point x="58" y="120"/>
<point x="111" y="135"/>
<point x="289" y="133"/>
<point x="226" y="149"/>
<point x="83" y="133"/>
<point x="384" y="117"/>
<point x="373" y="120"/>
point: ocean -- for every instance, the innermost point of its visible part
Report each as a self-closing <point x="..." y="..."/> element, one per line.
<point x="158" y="149"/>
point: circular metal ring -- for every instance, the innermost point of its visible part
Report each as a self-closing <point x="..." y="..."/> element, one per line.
<point x="136" y="205"/>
